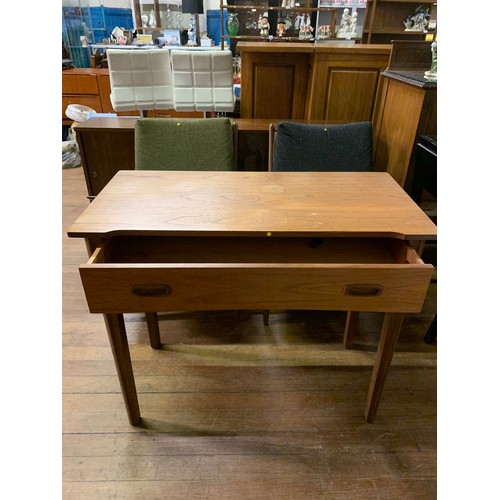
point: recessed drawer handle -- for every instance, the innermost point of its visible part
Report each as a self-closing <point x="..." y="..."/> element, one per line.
<point x="363" y="290"/>
<point x="151" y="290"/>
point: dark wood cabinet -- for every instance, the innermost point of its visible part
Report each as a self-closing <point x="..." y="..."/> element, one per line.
<point x="384" y="20"/>
<point x="336" y="82"/>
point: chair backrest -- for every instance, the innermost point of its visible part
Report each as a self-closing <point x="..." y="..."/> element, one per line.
<point x="185" y="144"/>
<point x="202" y="80"/>
<point x="140" y="79"/>
<point x="310" y="147"/>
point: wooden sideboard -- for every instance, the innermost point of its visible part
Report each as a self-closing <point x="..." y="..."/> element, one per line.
<point x="334" y="82"/>
<point x="408" y="109"/>
<point x="87" y="86"/>
<point x="91" y="87"/>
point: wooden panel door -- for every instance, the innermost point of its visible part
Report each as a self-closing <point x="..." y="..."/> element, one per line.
<point x="344" y="84"/>
<point x="349" y="94"/>
<point x="274" y="85"/>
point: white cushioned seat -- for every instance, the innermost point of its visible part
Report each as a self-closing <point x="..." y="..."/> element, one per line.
<point x="202" y="80"/>
<point x="140" y="79"/>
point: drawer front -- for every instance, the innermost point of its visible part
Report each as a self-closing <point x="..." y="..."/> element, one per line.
<point x="115" y="288"/>
<point x="91" y="101"/>
<point x="79" y="84"/>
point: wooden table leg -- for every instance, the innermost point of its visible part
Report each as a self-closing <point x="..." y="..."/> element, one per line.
<point x="351" y="328"/>
<point x="153" y="330"/>
<point x="386" y="346"/>
<point x="121" y="354"/>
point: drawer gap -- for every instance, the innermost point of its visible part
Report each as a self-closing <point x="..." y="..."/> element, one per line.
<point x="263" y="250"/>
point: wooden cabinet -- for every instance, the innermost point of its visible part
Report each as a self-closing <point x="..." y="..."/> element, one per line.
<point x="384" y="20"/>
<point x="81" y="86"/>
<point x="91" y="87"/>
<point x="337" y="82"/>
<point x="406" y="109"/>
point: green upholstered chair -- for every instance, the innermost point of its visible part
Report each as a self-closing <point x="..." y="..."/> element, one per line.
<point x="305" y="147"/>
<point x="185" y="144"/>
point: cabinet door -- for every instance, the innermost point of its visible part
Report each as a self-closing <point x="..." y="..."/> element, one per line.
<point x="274" y="85"/>
<point x="344" y="87"/>
<point x="104" y="152"/>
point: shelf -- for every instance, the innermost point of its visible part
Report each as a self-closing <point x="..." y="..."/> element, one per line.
<point x="286" y="9"/>
<point x="395" y="31"/>
<point x="403" y="1"/>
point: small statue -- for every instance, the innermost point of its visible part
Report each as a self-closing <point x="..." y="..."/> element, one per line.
<point x="264" y="25"/>
<point x="345" y="23"/>
<point x="418" y="21"/>
<point x="299" y="21"/>
<point x="281" y="28"/>
<point x="144" y="19"/>
<point x="433" y="72"/>
<point x="324" y="31"/>
<point x="152" y="19"/>
<point x="305" y="32"/>
<point x="353" y="25"/>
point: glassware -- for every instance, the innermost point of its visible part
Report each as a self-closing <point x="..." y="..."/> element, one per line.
<point x="232" y="24"/>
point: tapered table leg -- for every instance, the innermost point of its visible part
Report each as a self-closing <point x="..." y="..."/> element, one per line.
<point x="351" y="328"/>
<point x="121" y="354"/>
<point x="386" y="346"/>
<point x="153" y="330"/>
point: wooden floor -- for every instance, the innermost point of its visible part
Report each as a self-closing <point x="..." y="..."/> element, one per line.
<point x="236" y="410"/>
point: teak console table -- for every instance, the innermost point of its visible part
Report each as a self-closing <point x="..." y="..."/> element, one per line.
<point x="185" y="241"/>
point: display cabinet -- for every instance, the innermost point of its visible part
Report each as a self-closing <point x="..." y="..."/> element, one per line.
<point x="153" y="15"/>
<point x="384" y="21"/>
<point x="286" y="20"/>
<point x="330" y="20"/>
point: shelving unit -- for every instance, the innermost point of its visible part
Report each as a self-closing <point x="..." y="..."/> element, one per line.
<point x="168" y="15"/>
<point x="384" y="20"/>
<point x="320" y="12"/>
<point x="327" y="16"/>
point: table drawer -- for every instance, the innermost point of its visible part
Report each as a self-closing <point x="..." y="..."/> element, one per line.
<point x="171" y="274"/>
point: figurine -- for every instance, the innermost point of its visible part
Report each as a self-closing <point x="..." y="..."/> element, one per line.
<point x="305" y="32"/>
<point x="418" y="21"/>
<point x="264" y="25"/>
<point x="152" y="19"/>
<point x="345" y="23"/>
<point x="144" y="19"/>
<point x="433" y="72"/>
<point x="299" y="21"/>
<point x="353" y="25"/>
<point x="281" y="28"/>
<point x="324" y="31"/>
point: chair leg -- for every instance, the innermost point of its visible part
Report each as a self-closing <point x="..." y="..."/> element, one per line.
<point x="265" y="317"/>
<point x="153" y="330"/>
<point x="351" y="328"/>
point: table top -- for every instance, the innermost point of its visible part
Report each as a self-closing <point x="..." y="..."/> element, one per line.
<point x="196" y="203"/>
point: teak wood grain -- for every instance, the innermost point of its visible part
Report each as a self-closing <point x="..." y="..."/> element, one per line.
<point x="213" y="204"/>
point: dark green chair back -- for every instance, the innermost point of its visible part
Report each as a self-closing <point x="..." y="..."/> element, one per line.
<point x="184" y="144"/>
<point x="322" y="148"/>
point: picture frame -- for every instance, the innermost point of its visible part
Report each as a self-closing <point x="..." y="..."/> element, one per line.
<point x="172" y="37"/>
